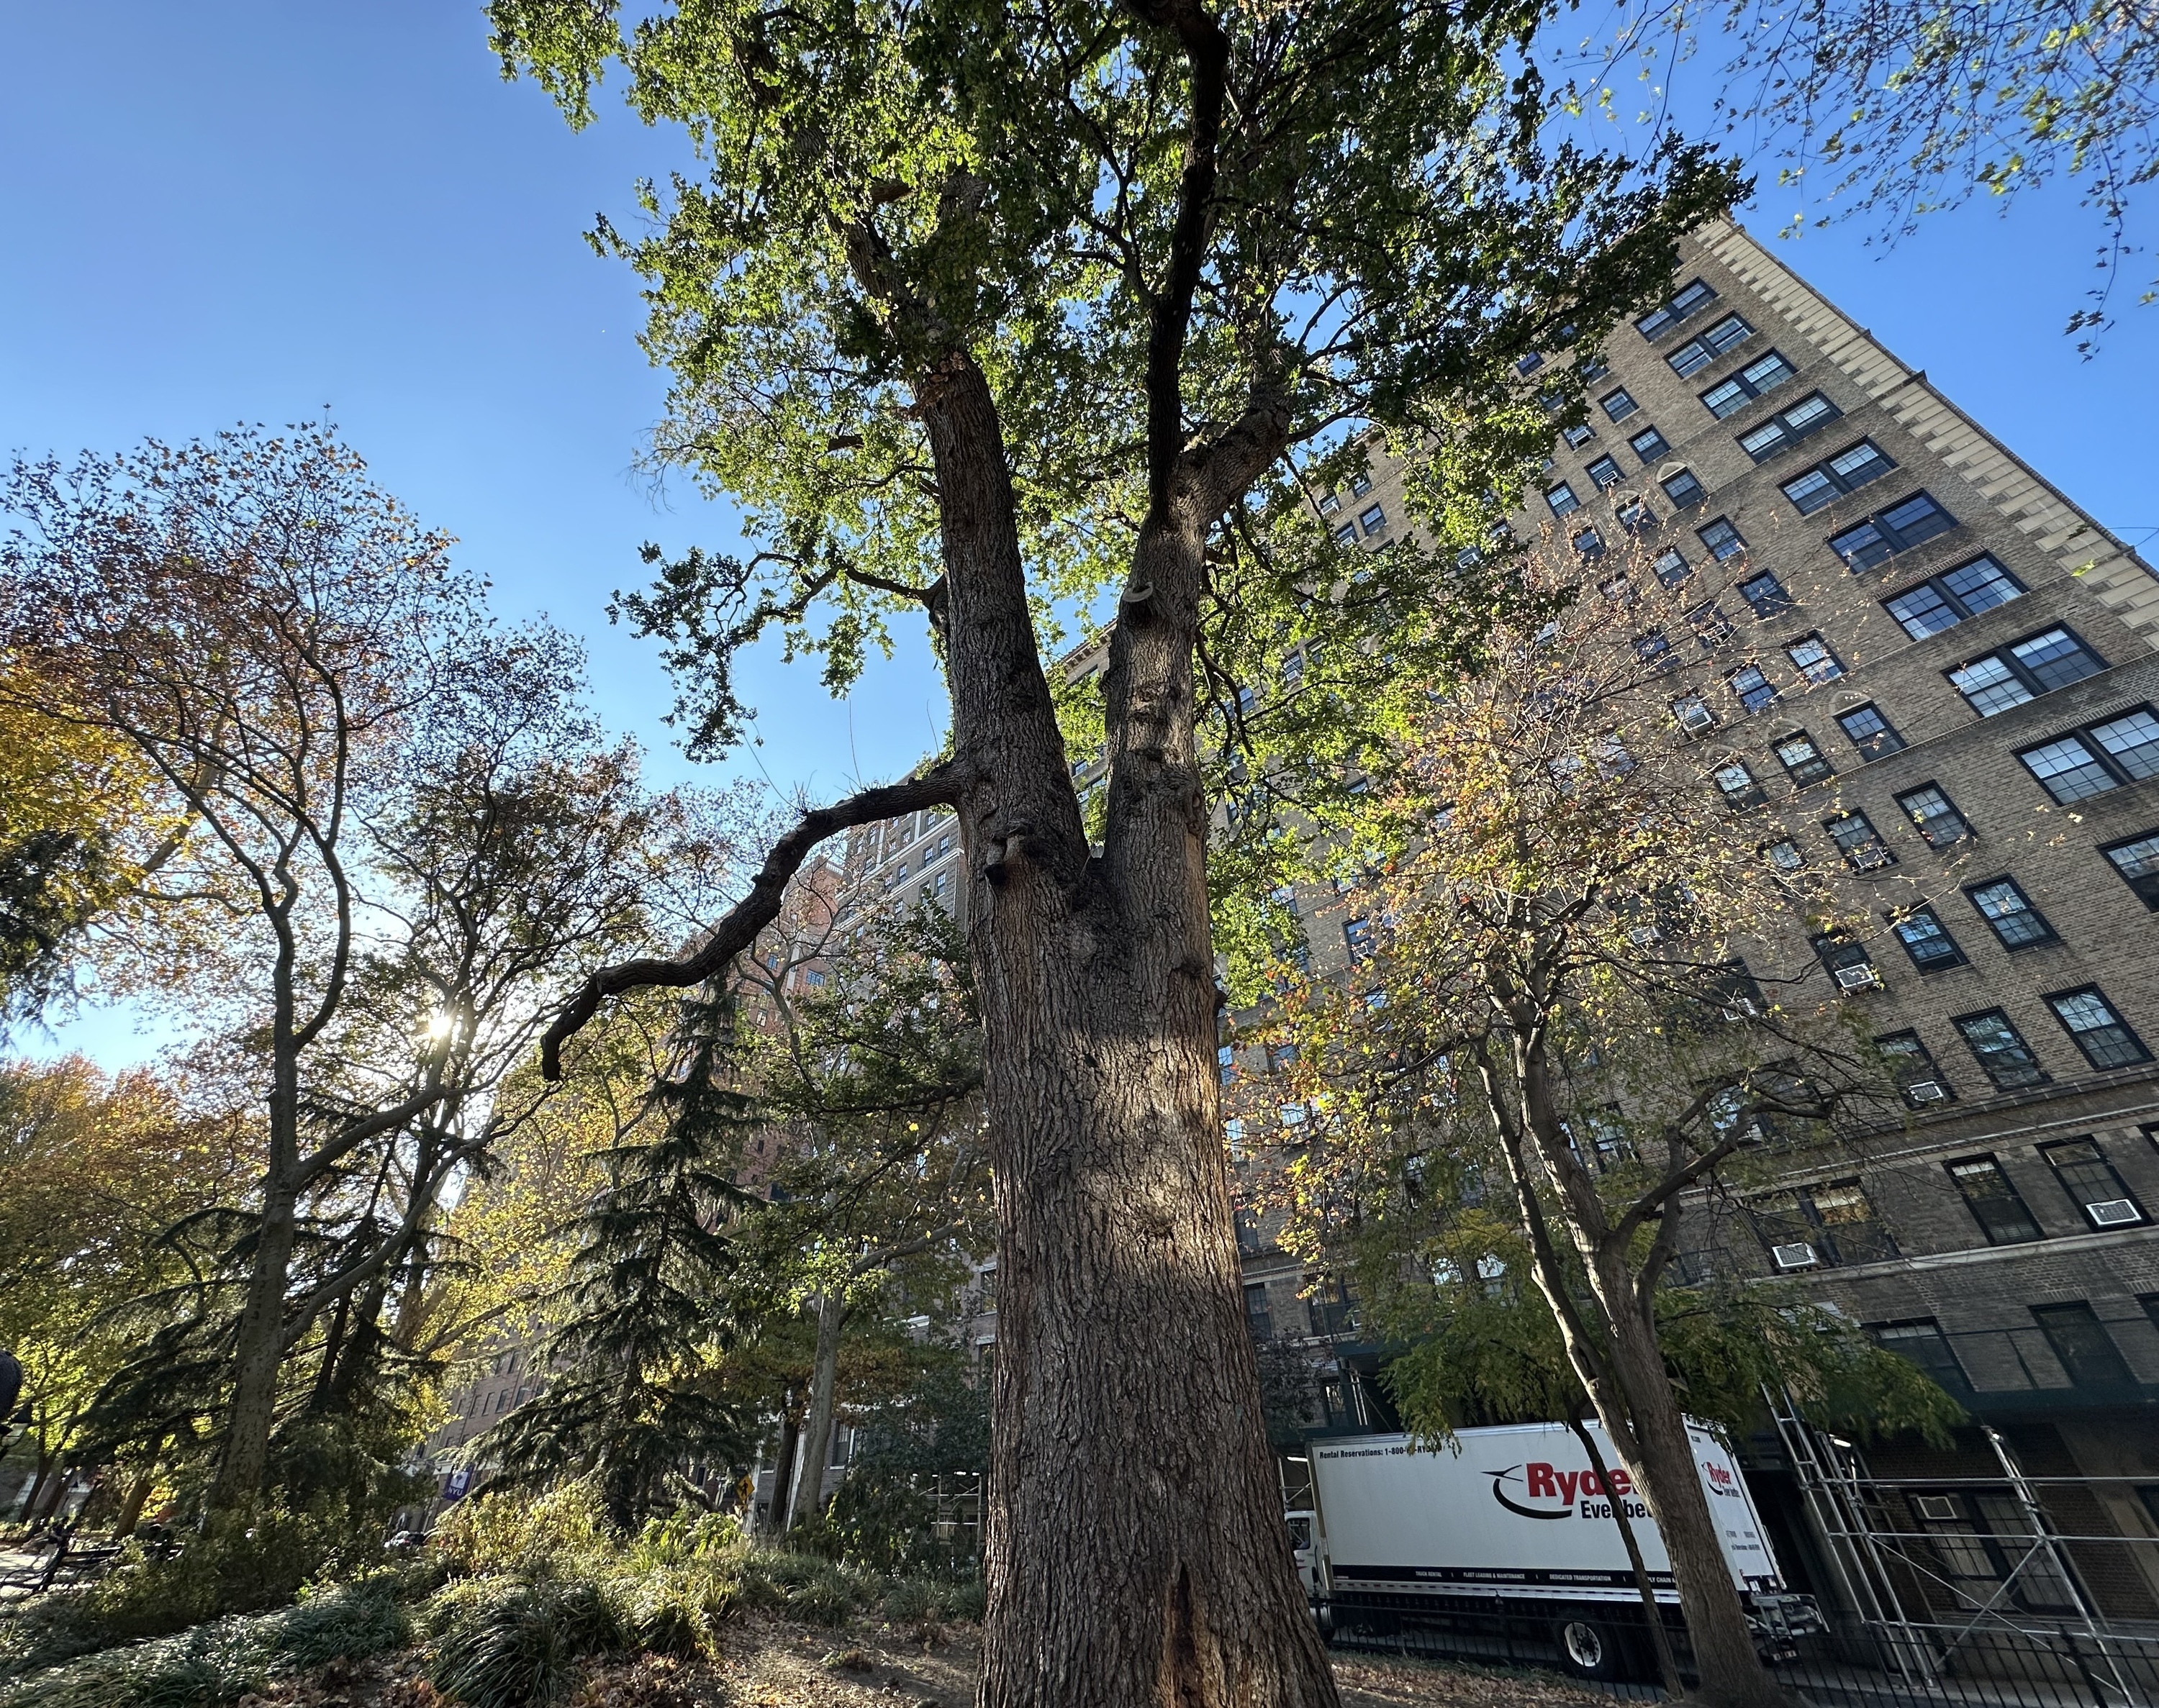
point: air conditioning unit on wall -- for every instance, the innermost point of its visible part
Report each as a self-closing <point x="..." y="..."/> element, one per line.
<point x="1926" y="1091"/>
<point x="1862" y="977"/>
<point x="1798" y="1255"/>
<point x="2114" y="1213"/>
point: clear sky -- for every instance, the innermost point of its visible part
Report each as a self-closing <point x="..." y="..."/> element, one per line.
<point x="255" y="209"/>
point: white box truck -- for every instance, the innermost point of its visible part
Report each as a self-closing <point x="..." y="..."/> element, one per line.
<point x="1511" y="1527"/>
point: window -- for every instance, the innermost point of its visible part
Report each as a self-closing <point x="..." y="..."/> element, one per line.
<point x="1635" y="516"/>
<point x="1259" y="1319"/>
<point x="1648" y="445"/>
<point x="2137" y="860"/>
<point x="2090" y="1358"/>
<point x="1561" y="499"/>
<point x="1361" y="482"/>
<point x="1671" y="569"/>
<point x="1935" y="814"/>
<point x="1225" y="1064"/>
<point x="1902" y="525"/>
<point x="2000" y="1049"/>
<point x="1993" y="1202"/>
<point x="1736" y="784"/>
<point x="1765" y="595"/>
<point x="1927" y="940"/>
<point x="1346" y="535"/>
<point x="1330" y="504"/>
<point x="1870" y="732"/>
<point x="1849" y="961"/>
<point x="1655" y="649"/>
<point x="1922" y="1342"/>
<point x="1372" y="520"/>
<point x="1596" y="367"/>
<point x="1859" y="842"/>
<point x="1845" y="472"/>
<point x="1756" y="692"/>
<point x="1692" y="714"/>
<point x="1787" y="856"/>
<point x="1722" y="539"/>
<point x="1529" y="365"/>
<point x="1619" y="405"/>
<point x="1589" y="543"/>
<point x="1712" y="627"/>
<point x="1605" y="472"/>
<point x="1803" y="760"/>
<point x="2035" y="665"/>
<point x="1578" y="437"/>
<point x="2010" y="912"/>
<point x="1697" y="354"/>
<point x="2092" y="1186"/>
<point x="1763" y="374"/>
<point x="1948" y="599"/>
<point x="2131" y="743"/>
<point x="1785" y="429"/>
<point x="1911" y="1065"/>
<point x="2096" y="1029"/>
<point x="1832" y="1223"/>
<point x="1620" y="591"/>
<point x="1813" y="659"/>
<point x="1690" y="299"/>
<point x="1358" y="934"/>
<point x="2068" y="768"/>
<point x="1684" y="490"/>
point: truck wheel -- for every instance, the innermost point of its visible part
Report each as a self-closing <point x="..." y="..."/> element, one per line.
<point x="1589" y="1650"/>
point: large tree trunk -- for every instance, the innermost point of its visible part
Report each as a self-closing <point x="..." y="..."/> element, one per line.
<point x="783" y="1472"/>
<point x="139" y="1495"/>
<point x="258" y="1351"/>
<point x="1136" y="1549"/>
<point x="817" y="1429"/>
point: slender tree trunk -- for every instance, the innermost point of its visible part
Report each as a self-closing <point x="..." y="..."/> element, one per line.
<point x="45" y="1463"/>
<point x="1136" y="1550"/>
<point x="139" y="1495"/>
<point x="258" y="1351"/>
<point x="817" y="1429"/>
<point x="783" y="1473"/>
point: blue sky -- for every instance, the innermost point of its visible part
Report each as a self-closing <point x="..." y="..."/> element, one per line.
<point x="254" y="209"/>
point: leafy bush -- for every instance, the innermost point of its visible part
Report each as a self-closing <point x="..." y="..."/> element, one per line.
<point x="506" y="1643"/>
<point x="222" y="1661"/>
<point x="527" y="1534"/>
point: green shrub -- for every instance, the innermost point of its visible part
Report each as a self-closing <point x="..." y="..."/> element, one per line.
<point x="526" y="1534"/>
<point x="509" y="1643"/>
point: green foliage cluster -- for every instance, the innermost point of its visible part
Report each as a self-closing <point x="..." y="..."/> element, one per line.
<point x="217" y="1663"/>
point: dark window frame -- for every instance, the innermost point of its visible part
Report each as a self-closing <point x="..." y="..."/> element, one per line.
<point x="1864" y="847"/>
<point x="1620" y="394"/>
<point x="1836" y="483"/>
<point x="2144" y="886"/>
<point x="1681" y="307"/>
<point x="1951" y="955"/>
<point x="2046" y="929"/>
<point x="1965" y="831"/>
<point x="1877" y="744"/>
<point x="1606" y="461"/>
<point x="1892" y="539"/>
<point x="1704" y="347"/>
<point x="2094" y="1171"/>
<point x="1685" y="489"/>
<point x="2035" y="686"/>
<point x="1739" y="540"/>
<point x="2012" y="1226"/>
<point x="1747" y="388"/>
<point x="1960" y="608"/>
<point x="1821" y="758"/>
<point x="1663" y="448"/>
<point x="2031" y="1072"/>
<point x="1788" y="432"/>
<point x="2141" y="1053"/>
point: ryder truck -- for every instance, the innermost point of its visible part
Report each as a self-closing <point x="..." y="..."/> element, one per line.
<point x="1509" y="1531"/>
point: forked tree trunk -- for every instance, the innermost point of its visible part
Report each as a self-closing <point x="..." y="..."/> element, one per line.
<point x="817" y="1428"/>
<point x="1136" y="1550"/>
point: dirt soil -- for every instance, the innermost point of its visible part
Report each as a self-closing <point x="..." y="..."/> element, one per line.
<point x="772" y="1664"/>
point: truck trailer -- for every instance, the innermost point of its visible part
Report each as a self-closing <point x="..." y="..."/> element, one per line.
<point x="1510" y="1531"/>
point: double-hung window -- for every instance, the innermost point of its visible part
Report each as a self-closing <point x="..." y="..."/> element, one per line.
<point x="2098" y="758"/>
<point x="1756" y="692"/>
<point x="1903" y="524"/>
<point x="1927" y="940"/>
<point x="1828" y="480"/>
<point x="2003" y="904"/>
<point x="1606" y="473"/>
<point x="1912" y="1064"/>
<point x="2023" y="670"/>
<point x="1346" y="535"/>
<point x="1698" y="353"/>
<point x="1561" y="499"/>
<point x="1684" y="490"/>
<point x="1589" y="543"/>
<point x="1689" y="299"/>
<point x="1813" y="659"/>
<point x="1736" y="784"/>
<point x="1802" y="761"/>
<point x="1648" y="445"/>
<point x="2067" y="770"/>
<point x="1722" y="539"/>
<point x="1578" y="437"/>
<point x="1710" y="626"/>
<point x="1765" y="595"/>
<point x="1859" y="841"/>
<point x="1765" y="373"/>
<point x="2000" y="1049"/>
<point x="1935" y="815"/>
<point x="1988" y="1194"/>
<point x="1373" y="521"/>
<point x="2093" y="1185"/>
<point x="2096" y="1029"/>
<point x="1360" y="482"/>
<point x="1922" y="1342"/>
<point x="1870" y="732"/>
<point x="1948" y="599"/>
<point x="1787" y="426"/>
<point x="1619" y="404"/>
<point x="2137" y="861"/>
<point x="1635" y="516"/>
<point x="1655" y="649"/>
<point x="1670" y="568"/>
<point x="1529" y="365"/>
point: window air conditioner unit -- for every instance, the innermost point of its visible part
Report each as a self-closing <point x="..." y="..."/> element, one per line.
<point x="1862" y="977"/>
<point x="2114" y="1213"/>
<point x="1925" y="1091"/>
<point x="1937" y="1508"/>
<point x="1798" y="1255"/>
<point x="1697" y="717"/>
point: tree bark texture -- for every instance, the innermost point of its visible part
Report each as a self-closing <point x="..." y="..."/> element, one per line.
<point x="1136" y="1550"/>
<point x="817" y="1429"/>
<point x="783" y="1473"/>
<point x="258" y="1351"/>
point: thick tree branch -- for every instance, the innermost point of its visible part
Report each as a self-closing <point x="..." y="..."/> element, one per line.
<point x="938" y="786"/>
